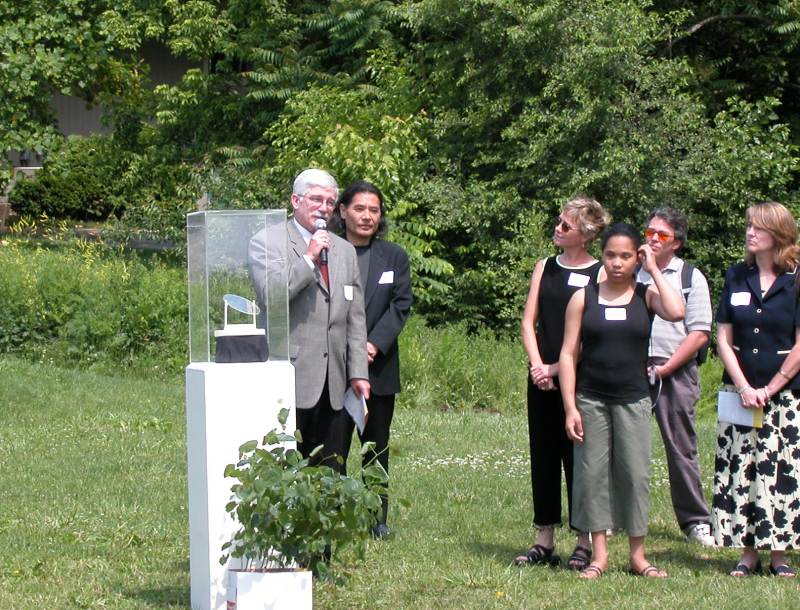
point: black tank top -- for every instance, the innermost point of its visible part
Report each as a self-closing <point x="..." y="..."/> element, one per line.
<point x="556" y="287"/>
<point x="614" y="341"/>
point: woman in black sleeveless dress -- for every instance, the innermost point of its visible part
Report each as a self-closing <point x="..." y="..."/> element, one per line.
<point x="606" y="397"/>
<point x="553" y="282"/>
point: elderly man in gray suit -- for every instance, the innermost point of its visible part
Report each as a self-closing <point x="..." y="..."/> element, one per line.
<point x="327" y="327"/>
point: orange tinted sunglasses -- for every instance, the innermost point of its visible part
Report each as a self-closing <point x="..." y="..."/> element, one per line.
<point x="662" y="236"/>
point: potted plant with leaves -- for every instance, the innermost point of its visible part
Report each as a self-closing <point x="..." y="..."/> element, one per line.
<point x="294" y="518"/>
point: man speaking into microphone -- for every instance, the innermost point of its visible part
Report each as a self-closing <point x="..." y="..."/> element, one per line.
<point x="327" y="328"/>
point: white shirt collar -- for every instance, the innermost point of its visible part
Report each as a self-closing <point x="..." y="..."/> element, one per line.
<point x="673" y="265"/>
<point x="304" y="233"/>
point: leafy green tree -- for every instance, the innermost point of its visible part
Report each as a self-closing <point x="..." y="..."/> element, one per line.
<point x="748" y="48"/>
<point x="478" y="118"/>
<point x="602" y="111"/>
<point x="208" y="132"/>
<point x="375" y="132"/>
<point x="54" y="46"/>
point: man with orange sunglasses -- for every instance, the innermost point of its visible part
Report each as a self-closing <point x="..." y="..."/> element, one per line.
<point x="674" y="370"/>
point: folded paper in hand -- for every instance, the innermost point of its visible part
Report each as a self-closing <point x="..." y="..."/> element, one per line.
<point x="356" y="406"/>
<point x="731" y="411"/>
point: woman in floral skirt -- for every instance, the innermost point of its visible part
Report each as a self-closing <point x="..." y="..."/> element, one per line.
<point x="757" y="470"/>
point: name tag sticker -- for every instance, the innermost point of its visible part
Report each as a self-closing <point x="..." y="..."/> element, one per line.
<point x="348" y="292"/>
<point x="577" y="279"/>
<point x="387" y="277"/>
<point x="740" y="298"/>
<point x="616" y="313"/>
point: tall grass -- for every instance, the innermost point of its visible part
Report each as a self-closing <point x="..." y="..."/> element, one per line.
<point x="449" y="369"/>
<point x="81" y="304"/>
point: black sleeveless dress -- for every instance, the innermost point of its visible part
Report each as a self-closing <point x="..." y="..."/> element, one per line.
<point x="615" y="340"/>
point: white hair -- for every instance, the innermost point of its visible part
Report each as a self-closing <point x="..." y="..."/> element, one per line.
<point x="313" y="177"/>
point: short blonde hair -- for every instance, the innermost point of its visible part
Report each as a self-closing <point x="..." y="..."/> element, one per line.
<point x="778" y="221"/>
<point x="589" y="215"/>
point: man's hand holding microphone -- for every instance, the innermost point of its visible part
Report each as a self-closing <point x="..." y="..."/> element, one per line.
<point x="320" y="242"/>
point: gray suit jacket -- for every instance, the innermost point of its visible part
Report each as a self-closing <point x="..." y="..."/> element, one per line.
<point x="327" y="328"/>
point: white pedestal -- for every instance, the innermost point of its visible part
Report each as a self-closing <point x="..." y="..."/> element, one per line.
<point x="226" y="406"/>
<point x="270" y="590"/>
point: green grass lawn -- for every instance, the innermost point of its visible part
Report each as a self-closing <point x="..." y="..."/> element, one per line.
<point x="93" y="512"/>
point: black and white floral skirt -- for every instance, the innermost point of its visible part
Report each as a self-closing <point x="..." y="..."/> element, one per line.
<point x="757" y="479"/>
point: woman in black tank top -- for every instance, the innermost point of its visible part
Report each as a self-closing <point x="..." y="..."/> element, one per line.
<point x="553" y="282"/>
<point x="606" y="399"/>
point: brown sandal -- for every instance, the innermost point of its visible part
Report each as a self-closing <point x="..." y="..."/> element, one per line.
<point x="649" y="571"/>
<point x="591" y="572"/>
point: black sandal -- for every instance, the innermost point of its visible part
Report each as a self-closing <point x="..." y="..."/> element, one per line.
<point x="783" y="570"/>
<point x="580" y="558"/>
<point x="743" y="570"/>
<point x="538" y="555"/>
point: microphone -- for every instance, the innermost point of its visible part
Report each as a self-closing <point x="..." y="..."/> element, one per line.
<point x="321" y="225"/>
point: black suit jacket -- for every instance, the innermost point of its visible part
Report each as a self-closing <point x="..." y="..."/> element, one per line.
<point x="763" y="326"/>
<point x="387" y="298"/>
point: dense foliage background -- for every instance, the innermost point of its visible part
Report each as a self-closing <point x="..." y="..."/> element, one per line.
<point x="478" y="118"/>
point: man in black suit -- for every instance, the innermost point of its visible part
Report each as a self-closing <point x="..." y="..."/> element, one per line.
<point x="386" y="278"/>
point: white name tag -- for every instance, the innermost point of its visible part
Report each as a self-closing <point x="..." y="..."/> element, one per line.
<point x="348" y="292"/>
<point x="740" y="298"/>
<point x="577" y="279"/>
<point x="616" y="313"/>
<point x="387" y="277"/>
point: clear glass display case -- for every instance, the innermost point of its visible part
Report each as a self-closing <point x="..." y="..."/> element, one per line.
<point x="238" y="299"/>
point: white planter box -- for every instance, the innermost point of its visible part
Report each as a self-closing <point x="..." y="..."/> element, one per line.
<point x="287" y="589"/>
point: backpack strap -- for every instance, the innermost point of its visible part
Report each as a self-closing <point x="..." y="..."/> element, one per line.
<point x="686" y="288"/>
<point x="686" y="279"/>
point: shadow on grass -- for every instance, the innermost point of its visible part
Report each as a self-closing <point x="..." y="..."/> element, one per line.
<point x="665" y="545"/>
<point x="668" y="545"/>
<point x="500" y="554"/>
<point x="165" y="597"/>
<point x="705" y="562"/>
<point x="168" y="596"/>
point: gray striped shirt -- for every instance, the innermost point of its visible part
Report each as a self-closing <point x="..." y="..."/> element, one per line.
<point x="666" y="336"/>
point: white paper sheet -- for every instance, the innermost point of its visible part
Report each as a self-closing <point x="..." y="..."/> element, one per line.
<point x="356" y="407"/>
<point x="731" y="411"/>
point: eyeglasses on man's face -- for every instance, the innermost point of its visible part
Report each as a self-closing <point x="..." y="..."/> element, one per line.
<point x="319" y="201"/>
<point x="662" y="236"/>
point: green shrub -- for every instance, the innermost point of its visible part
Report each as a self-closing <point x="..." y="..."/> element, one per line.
<point x="85" y="305"/>
<point x="28" y="197"/>
<point x="81" y="305"/>
<point x="292" y="513"/>
<point x="449" y="368"/>
<point x="158" y="194"/>
<point x="78" y="181"/>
